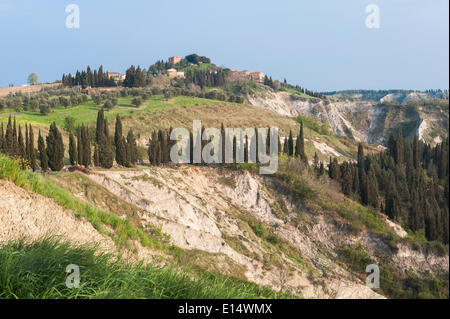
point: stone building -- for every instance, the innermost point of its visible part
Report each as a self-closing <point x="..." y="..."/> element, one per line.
<point x="174" y="60"/>
<point x="236" y="75"/>
<point x="172" y="73"/>
<point x="117" y="77"/>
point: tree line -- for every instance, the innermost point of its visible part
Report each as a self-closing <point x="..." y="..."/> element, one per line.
<point x="97" y="78"/>
<point x="206" y="77"/>
<point x="408" y="182"/>
<point x="159" y="146"/>
<point x="13" y="143"/>
<point x="80" y="149"/>
<point x="277" y="86"/>
<point x="50" y="152"/>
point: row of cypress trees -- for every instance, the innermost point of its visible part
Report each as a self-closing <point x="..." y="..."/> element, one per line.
<point x="12" y="143"/>
<point x="80" y="152"/>
<point x="51" y="151"/>
<point x="297" y="150"/>
<point x="126" y="148"/>
<point x="160" y="145"/>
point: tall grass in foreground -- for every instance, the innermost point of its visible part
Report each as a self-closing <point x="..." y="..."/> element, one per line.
<point x="37" y="270"/>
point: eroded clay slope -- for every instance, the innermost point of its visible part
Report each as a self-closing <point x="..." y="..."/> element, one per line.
<point x="29" y="216"/>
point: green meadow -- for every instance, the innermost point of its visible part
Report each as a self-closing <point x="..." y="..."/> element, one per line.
<point x="87" y="112"/>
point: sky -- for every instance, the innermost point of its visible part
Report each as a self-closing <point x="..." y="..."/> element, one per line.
<point x="321" y="45"/>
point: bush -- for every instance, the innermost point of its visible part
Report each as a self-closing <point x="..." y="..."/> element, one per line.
<point x="69" y="123"/>
<point x="137" y="101"/>
<point x="44" y="107"/>
<point x="97" y="99"/>
<point x="108" y="105"/>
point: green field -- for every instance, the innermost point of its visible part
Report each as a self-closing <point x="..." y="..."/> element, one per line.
<point x="292" y="91"/>
<point x="87" y="112"/>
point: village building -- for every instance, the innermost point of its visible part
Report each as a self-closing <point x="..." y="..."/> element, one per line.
<point x="117" y="77"/>
<point x="236" y="75"/>
<point x="172" y="73"/>
<point x="174" y="60"/>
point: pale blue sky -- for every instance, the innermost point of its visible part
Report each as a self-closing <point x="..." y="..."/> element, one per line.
<point x="321" y="45"/>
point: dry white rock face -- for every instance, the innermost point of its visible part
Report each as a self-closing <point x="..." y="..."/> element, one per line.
<point x="195" y="209"/>
<point x="333" y="113"/>
<point x="359" y="120"/>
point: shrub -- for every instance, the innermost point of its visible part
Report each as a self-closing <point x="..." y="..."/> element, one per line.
<point x="137" y="101"/>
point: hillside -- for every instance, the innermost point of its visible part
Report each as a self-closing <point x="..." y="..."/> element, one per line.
<point x="250" y="226"/>
<point x="366" y="121"/>
<point x="342" y="198"/>
<point x="158" y="112"/>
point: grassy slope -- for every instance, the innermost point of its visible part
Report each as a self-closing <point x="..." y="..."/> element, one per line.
<point x="37" y="271"/>
<point x="46" y="279"/>
<point x="292" y="91"/>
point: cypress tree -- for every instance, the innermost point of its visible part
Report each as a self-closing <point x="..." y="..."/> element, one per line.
<point x="120" y="148"/>
<point x="2" y="140"/>
<point x="121" y="152"/>
<point x="96" y="156"/>
<point x="163" y="146"/>
<point x="299" y="143"/>
<point x="42" y="153"/>
<point x="360" y="155"/>
<point x="126" y="153"/>
<point x="347" y="182"/>
<point x="21" y="144"/>
<point x="32" y="153"/>
<point x="100" y="128"/>
<point x="73" y="156"/>
<point x="86" y="147"/>
<point x="9" y="139"/>
<point x="79" y="147"/>
<point x="132" y="147"/>
<point x="152" y="149"/>
<point x="363" y="187"/>
<point x="285" y="145"/>
<point x="392" y="205"/>
<point x="372" y="188"/>
<point x="27" y="144"/>
<point x="102" y="139"/>
<point x="157" y="151"/>
<point x="55" y="149"/>
<point x="290" y="144"/>
<point x="15" y="139"/>
<point x="105" y="152"/>
<point x="400" y="148"/>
